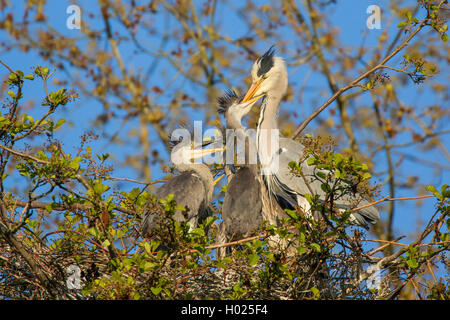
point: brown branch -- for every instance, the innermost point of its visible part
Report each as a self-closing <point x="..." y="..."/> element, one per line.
<point x="263" y="235"/>
<point x="135" y="181"/>
<point x="7" y="67"/>
<point x="345" y="120"/>
<point x="391" y="199"/>
<point x="10" y="238"/>
<point x="355" y="82"/>
<point x="388" y="243"/>
<point x="388" y="259"/>
<point x="74" y="206"/>
<point x="24" y="155"/>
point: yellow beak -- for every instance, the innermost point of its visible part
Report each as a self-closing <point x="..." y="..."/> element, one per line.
<point x="200" y="153"/>
<point x="218" y="179"/>
<point x="249" y="96"/>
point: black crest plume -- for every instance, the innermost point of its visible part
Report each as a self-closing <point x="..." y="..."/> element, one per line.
<point x="266" y="61"/>
<point x="226" y="100"/>
<point x="172" y="143"/>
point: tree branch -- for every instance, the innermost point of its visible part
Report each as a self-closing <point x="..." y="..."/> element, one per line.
<point x="355" y="82"/>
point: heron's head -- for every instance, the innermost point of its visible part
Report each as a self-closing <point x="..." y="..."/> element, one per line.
<point x="234" y="110"/>
<point x="269" y="77"/>
<point x="183" y="151"/>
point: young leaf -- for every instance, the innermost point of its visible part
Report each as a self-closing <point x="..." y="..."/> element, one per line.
<point x="253" y="259"/>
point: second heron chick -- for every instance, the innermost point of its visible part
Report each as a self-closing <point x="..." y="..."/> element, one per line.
<point x="246" y="203"/>
<point x="192" y="188"/>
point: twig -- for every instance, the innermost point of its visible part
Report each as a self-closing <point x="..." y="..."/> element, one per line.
<point x="24" y="155"/>
<point x="369" y="205"/>
<point x="263" y="235"/>
<point x="6" y="66"/>
<point x="371" y="253"/>
<point x="135" y="181"/>
<point x="392" y="199"/>
<point x="355" y="82"/>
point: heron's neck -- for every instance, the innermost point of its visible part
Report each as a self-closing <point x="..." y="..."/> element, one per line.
<point x="268" y="121"/>
<point x="234" y="122"/>
<point x="203" y="172"/>
<point x="268" y="116"/>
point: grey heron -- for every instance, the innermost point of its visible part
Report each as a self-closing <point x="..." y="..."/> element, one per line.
<point x="192" y="188"/>
<point x="270" y="78"/>
<point x="245" y="203"/>
<point x="242" y="204"/>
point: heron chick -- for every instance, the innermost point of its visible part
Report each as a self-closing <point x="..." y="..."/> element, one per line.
<point x="192" y="188"/>
<point x="246" y="203"/>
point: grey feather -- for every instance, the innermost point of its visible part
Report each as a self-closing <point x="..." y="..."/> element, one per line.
<point x="242" y="204"/>
<point x="289" y="184"/>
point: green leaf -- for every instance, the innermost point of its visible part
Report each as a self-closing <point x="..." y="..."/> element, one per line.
<point x="315" y="247"/>
<point x="156" y="290"/>
<point x="311" y="161"/>
<point x="291" y="213"/>
<point x="337" y="174"/>
<point x="408" y="15"/>
<point x="27" y="118"/>
<point x="12" y="77"/>
<point x="74" y="164"/>
<point x="227" y="260"/>
<point x="301" y="250"/>
<point x="325" y="187"/>
<point x="59" y="123"/>
<point x="402" y="24"/>
<point x="292" y="164"/>
<point x="253" y="259"/>
<point x="301" y="237"/>
<point x="308" y="198"/>
<point x="198" y="232"/>
<point x="412" y="263"/>
<point x="366" y="176"/>
<point x="445" y="191"/>
<point x="321" y="175"/>
<point x="433" y="190"/>
<point x="100" y="188"/>
<point x="11" y="94"/>
<point x="316" y="292"/>
<point x="444" y="37"/>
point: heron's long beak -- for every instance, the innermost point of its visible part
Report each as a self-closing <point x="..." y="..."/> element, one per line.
<point x="200" y="153"/>
<point x="249" y="96"/>
<point x="218" y="179"/>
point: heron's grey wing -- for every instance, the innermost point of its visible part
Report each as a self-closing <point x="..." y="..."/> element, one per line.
<point x="189" y="192"/>
<point x="361" y="217"/>
<point x="292" y="151"/>
<point x="242" y="204"/>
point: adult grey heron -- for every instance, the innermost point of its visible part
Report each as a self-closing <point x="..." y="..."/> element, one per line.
<point x="269" y="78"/>
<point x="192" y="188"/>
<point x="246" y="201"/>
